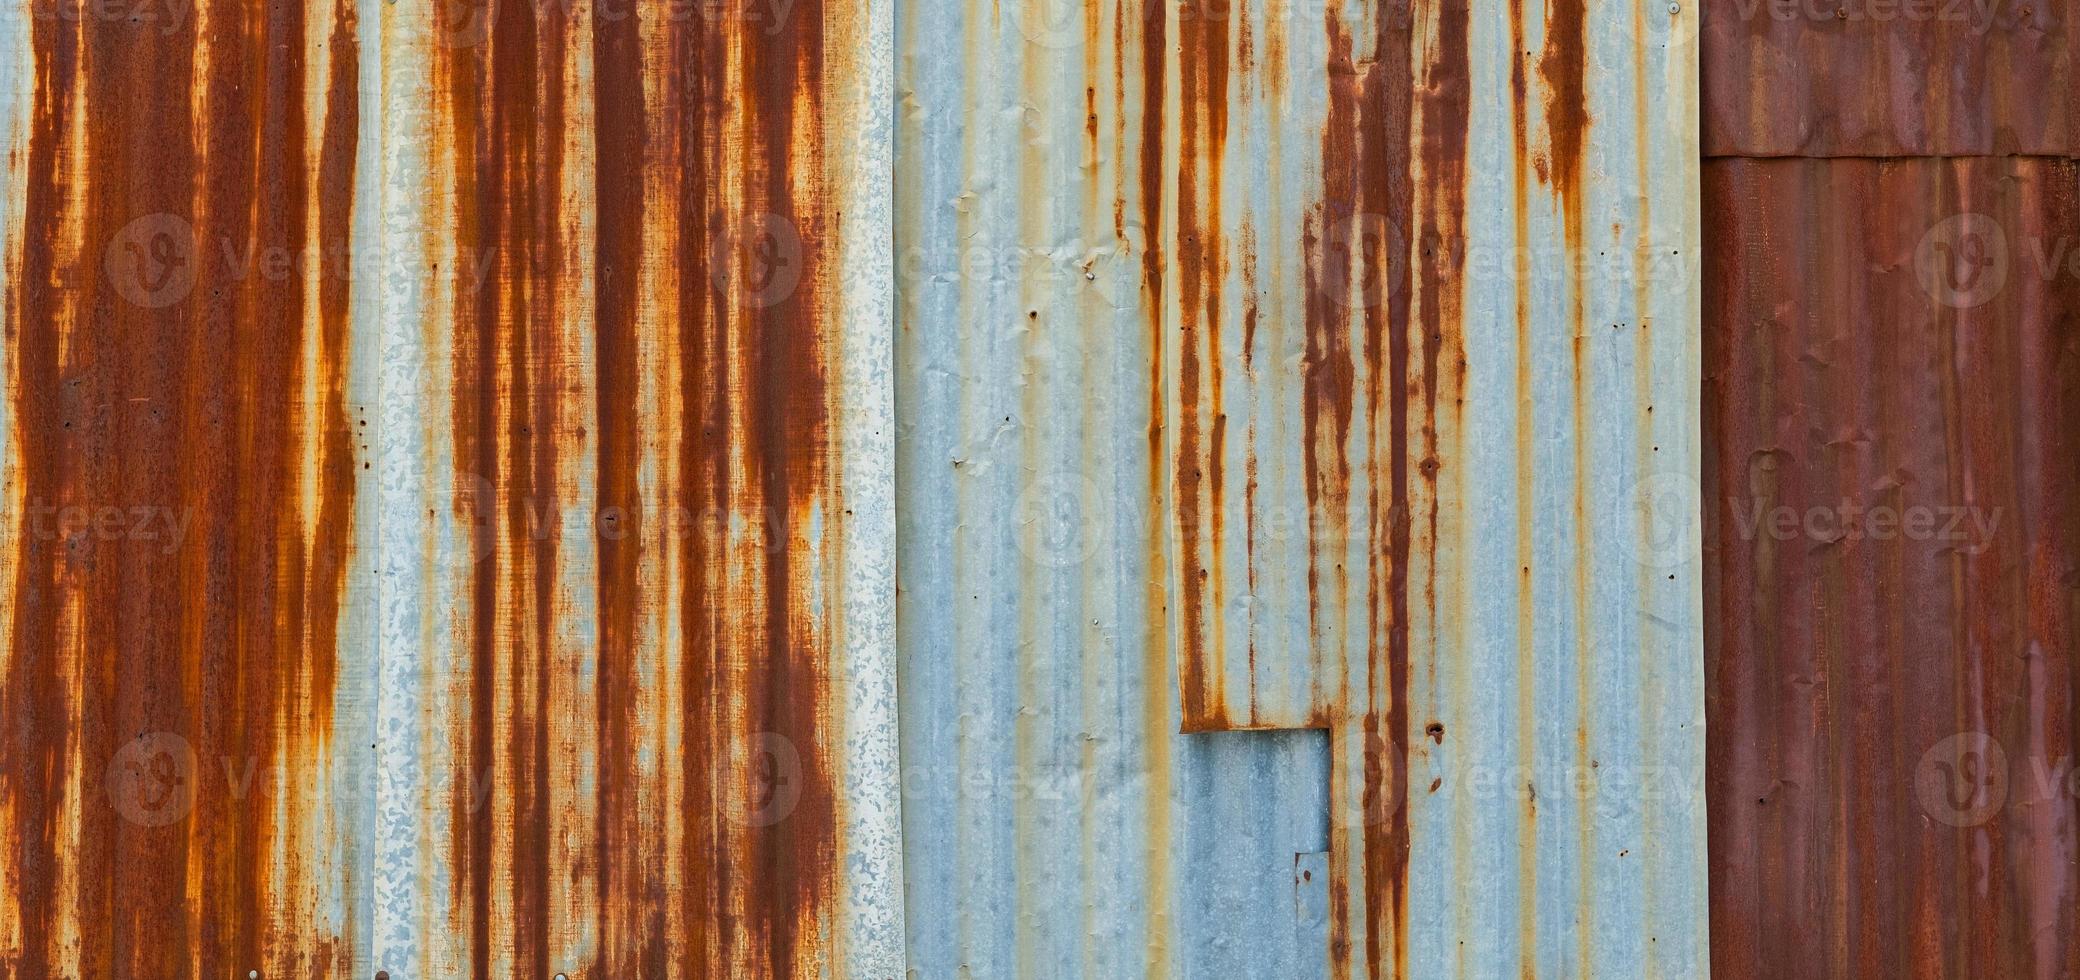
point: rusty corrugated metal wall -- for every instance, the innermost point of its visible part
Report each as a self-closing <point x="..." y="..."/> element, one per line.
<point x="186" y="683"/>
<point x="491" y="409"/>
<point x="450" y="463"/>
<point x="1892" y="384"/>
<point x="512" y="384"/>
<point x="1056" y="824"/>
<point x="451" y="455"/>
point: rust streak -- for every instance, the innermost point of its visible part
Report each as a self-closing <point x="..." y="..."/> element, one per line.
<point x="1203" y="53"/>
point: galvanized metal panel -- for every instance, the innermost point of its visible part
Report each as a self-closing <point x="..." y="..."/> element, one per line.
<point x="1457" y="317"/>
<point x="1893" y="544"/>
<point x="585" y="666"/>
<point x="1847" y="78"/>
<point x="1543" y="339"/>
<point x="1055" y="822"/>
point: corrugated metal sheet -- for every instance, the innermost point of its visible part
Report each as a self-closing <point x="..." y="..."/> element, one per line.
<point x="516" y="391"/>
<point x="1892" y="569"/>
<point x="1055" y="822"/>
<point x="1401" y="302"/>
<point x="1892" y="385"/>
<point x="186" y="682"/>
<point x="526" y="601"/>
<point x="1827" y="78"/>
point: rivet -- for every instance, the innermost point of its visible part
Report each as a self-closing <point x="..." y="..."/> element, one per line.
<point x="1675" y="8"/>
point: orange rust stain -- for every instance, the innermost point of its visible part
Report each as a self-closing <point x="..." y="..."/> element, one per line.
<point x="1251" y="314"/>
<point x="160" y="369"/>
<point x="1526" y="725"/>
<point x="713" y="126"/>
<point x="1203" y="53"/>
<point x="1562" y="67"/>
<point x="1156" y="708"/>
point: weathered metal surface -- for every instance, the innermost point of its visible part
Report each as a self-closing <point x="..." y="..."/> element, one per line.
<point x="529" y="599"/>
<point x="1879" y="78"/>
<point x="1413" y="342"/>
<point x="1434" y="365"/>
<point x="1055" y="822"/>
<point x="536" y="558"/>
<point x="658" y="348"/>
<point x="1892" y="385"/>
<point x="184" y="683"/>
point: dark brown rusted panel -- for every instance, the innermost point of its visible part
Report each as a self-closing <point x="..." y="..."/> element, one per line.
<point x="1890" y="77"/>
<point x="170" y="685"/>
<point x="699" y="126"/>
<point x="1892" y="547"/>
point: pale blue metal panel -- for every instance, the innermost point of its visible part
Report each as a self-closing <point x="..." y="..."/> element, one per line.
<point x="1055" y="822"/>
